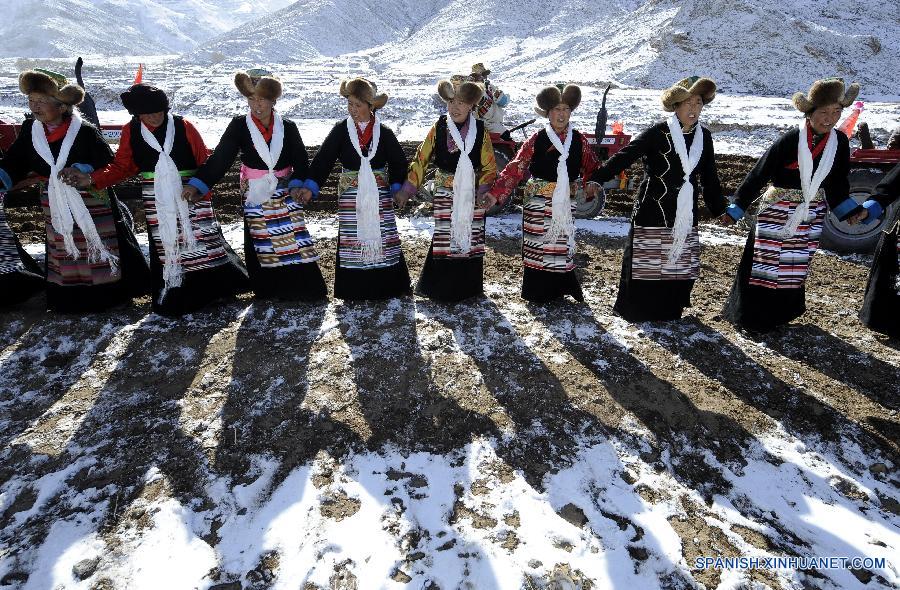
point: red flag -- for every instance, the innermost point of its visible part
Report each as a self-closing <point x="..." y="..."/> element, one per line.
<point x="139" y="76"/>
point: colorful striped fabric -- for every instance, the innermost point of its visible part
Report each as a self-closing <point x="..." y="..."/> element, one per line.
<point x="443" y="217"/>
<point x="349" y="247"/>
<point x="484" y="105"/>
<point x="10" y="261"/>
<point x="650" y="248"/>
<point x="210" y="251"/>
<point x="67" y="272"/>
<point x="536" y="217"/>
<point x="780" y="263"/>
<point x="278" y="231"/>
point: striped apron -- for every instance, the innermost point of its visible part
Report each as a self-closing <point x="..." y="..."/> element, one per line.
<point x="68" y="272"/>
<point x="10" y="261"/>
<point x="443" y="219"/>
<point x="349" y="248"/>
<point x="780" y="263"/>
<point x="210" y="251"/>
<point x="278" y="229"/>
<point x="650" y="248"/>
<point x="536" y="217"/>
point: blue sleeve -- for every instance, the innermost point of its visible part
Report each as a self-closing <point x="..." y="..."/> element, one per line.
<point x="875" y="210"/>
<point x="199" y="185"/>
<point x="5" y="180"/>
<point x="844" y="209"/>
<point x="83" y="168"/>
<point x="313" y="186"/>
<point x="295" y="183"/>
<point x="735" y="212"/>
<point x="503" y="100"/>
<point x="396" y="187"/>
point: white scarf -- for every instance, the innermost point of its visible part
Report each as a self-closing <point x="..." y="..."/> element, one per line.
<point x="171" y="209"/>
<point x="809" y="182"/>
<point x="262" y="189"/>
<point x="67" y="207"/>
<point x="684" y="209"/>
<point x="463" y="188"/>
<point x="368" y="218"/>
<point x="561" y="222"/>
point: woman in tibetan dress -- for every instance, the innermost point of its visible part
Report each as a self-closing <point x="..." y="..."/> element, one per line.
<point x="370" y="263"/>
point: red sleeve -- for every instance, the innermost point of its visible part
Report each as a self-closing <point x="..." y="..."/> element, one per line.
<point x="513" y="172"/>
<point x="589" y="161"/>
<point x="198" y="147"/>
<point x="121" y="167"/>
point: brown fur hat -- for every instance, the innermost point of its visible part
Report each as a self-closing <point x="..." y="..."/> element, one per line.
<point x="480" y="70"/>
<point x="551" y="96"/>
<point x="825" y="92"/>
<point x="365" y="91"/>
<point x="51" y="84"/>
<point x="258" y="82"/>
<point x="702" y="87"/>
<point x="468" y="92"/>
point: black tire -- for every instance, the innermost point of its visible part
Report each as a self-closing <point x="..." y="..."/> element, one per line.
<point x="840" y="236"/>
<point x="588" y="209"/>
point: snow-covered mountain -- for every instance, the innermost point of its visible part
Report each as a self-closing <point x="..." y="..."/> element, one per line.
<point x="63" y="28"/>
<point x="749" y="46"/>
<point x="316" y="28"/>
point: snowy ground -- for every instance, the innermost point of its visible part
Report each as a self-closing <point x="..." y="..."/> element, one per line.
<point x="742" y="124"/>
<point x="490" y="444"/>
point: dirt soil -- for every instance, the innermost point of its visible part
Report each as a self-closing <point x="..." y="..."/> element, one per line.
<point x="198" y="398"/>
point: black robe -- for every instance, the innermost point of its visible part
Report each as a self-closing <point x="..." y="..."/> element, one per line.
<point x="881" y="305"/>
<point x="89" y="148"/>
<point x="655" y="207"/>
<point x="236" y="140"/>
<point x="540" y="285"/>
<point x="200" y="287"/>
<point x="761" y="308"/>
<point x="452" y="279"/>
<point x="338" y="148"/>
<point x="292" y="282"/>
<point x="353" y="283"/>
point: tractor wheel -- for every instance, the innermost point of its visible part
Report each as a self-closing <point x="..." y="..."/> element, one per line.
<point x="840" y="236"/>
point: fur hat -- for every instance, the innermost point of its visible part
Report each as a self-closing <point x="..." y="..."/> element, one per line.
<point x="142" y="99"/>
<point x="365" y="91"/>
<point x="702" y="87"/>
<point x="481" y="70"/>
<point x="551" y="96"/>
<point x="468" y="92"/>
<point x="825" y="92"/>
<point x="51" y="84"/>
<point x="258" y="82"/>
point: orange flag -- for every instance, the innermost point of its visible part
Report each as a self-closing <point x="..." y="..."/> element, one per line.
<point x="139" y="76"/>
<point x="848" y="125"/>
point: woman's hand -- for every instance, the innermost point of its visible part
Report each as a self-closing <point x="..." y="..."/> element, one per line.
<point x="301" y="194"/>
<point x="858" y="217"/>
<point x="401" y="197"/>
<point x="74" y="177"/>
<point x="486" y="201"/>
<point x="190" y="194"/>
